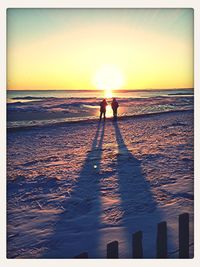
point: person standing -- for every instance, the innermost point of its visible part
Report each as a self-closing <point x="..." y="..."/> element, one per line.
<point x="103" y="105"/>
<point x="114" y="106"/>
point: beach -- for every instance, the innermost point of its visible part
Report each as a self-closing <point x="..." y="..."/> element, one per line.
<point x="74" y="187"/>
<point x="100" y="133"/>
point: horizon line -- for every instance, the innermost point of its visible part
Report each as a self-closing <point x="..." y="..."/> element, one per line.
<point x="138" y="89"/>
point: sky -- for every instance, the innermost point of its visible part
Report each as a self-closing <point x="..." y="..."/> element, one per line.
<point x="96" y="48"/>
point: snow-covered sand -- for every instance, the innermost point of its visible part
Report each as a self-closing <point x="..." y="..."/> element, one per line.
<point x="76" y="187"/>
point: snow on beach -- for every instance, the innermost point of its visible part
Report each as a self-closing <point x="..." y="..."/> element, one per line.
<point x="76" y="187"/>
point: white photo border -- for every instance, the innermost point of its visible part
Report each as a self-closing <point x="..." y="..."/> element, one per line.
<point x="195" y="4"/>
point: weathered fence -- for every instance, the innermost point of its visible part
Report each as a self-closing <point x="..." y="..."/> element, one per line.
<point x="161" y="242"/>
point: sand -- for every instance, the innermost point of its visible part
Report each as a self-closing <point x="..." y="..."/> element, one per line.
<point x="78" y="186"/>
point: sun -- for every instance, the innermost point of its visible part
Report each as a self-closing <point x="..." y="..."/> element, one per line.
<point x="108" y="78"/>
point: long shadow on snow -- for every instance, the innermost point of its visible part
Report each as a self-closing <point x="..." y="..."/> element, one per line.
<point x="77" y="228"/>
<point x="140" y="211"/>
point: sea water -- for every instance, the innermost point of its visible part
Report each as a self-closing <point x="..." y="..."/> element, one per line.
<point x="48" y="107"/>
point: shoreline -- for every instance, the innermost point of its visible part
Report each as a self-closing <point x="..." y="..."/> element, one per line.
<point x="89" y="121"/>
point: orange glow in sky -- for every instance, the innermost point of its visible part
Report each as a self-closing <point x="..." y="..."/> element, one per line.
<point x="94" y="49"/>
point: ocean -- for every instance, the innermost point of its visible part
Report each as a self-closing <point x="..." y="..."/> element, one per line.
<point x="49" y="107"/>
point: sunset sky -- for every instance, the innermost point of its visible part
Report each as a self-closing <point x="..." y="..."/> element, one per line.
<point x="79" y="48"/>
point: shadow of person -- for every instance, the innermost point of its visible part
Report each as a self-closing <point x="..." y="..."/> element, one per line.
<point x="77" y="227"/>
<point x="140" y="211"/>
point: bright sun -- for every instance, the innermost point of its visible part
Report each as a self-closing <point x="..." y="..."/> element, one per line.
<point x="108" y="78"/>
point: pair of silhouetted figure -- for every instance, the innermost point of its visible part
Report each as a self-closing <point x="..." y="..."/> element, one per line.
<point x="114" y="106"/>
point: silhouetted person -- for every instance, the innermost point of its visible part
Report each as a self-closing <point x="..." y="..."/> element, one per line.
<point x="103" y="105"/>
<point x="114" y="106"/>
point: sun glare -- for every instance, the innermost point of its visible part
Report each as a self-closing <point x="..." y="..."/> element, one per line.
<point x="108" y="78"/>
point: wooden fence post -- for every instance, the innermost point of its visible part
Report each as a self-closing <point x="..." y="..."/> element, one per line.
<point x="83" y="255"/>
<point x="184" y="235"/>
<point x="162" y="240"/>
<point x="137" y="250"/>
<point x="112" y="250"/>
